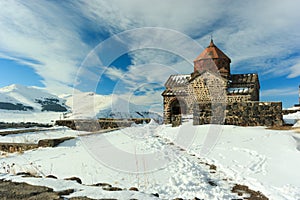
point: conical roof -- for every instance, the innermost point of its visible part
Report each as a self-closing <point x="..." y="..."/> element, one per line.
<point x="212" y="52"/>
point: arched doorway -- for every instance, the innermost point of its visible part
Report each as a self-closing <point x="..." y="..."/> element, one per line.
<point x="177" y="109"/>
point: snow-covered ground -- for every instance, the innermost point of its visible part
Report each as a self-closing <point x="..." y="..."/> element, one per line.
<point x="265" y="160"/>
<point x="165" y="160"/>
<point x="292" y="118"/>
<point x="34" y="137"/>
<point x="29" y="116"/>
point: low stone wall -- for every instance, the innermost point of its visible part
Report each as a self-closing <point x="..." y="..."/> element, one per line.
<point x="239" y="113"/>
<point x="21" y="147"/>
<point x="17" y="147"/>
<point x="53" y="142"/>
<point x="96" y="125"/>
<point x="5" y="125"/>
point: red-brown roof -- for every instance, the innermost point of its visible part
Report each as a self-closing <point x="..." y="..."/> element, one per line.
<point x="212" y="52"/>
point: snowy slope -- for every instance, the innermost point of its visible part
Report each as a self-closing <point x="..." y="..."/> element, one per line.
<point x="29" y="104"/>
<point x="32" y="99"/>
<point x="265" y="160"/>
<point x="162" y="159"/>
<point x="21" y="103"/>
<point x="90" y="105"/>
<point x="292" y="118"/>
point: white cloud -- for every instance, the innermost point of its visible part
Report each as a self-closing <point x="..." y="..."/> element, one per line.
<point x="151" y="98"/>
<point x="247" y="31"/>
<point x="114" y="73"/>
<point x="295" y="70"/>
<point x="184" y="16"/>
<point x="279" y="92"/>
<point x="147" y="79"/>
<point x="137" y="75"/>
<point x="40" y="31"/>
<point x="252" y="33"/>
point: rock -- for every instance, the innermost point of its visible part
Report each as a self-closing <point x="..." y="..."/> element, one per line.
<point x="212" y="167"/>
<point x="133" y="189"/>
<point x="65" y="192"/>
<point x="155" y="194"/>
<point x="86" y="198"/>
<point x="243" y="189"/>
<point x="212" y="183"/>
<point x="51" y="176"/>
<point x="78" y="180"/>
<point x="102" y="185"/>
<point x="112" y="189"/>
<point x="23" y="191"/>
<point x="25" y="174"/>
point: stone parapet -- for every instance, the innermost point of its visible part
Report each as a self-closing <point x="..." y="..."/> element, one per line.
<point x="239" y="113"/>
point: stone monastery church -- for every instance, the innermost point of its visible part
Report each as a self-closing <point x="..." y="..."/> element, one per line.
<point x="211" y="92"/>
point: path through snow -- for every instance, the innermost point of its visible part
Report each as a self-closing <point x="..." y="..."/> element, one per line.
<point x="264" y="160"/>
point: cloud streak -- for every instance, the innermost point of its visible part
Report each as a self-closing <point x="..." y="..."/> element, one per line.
<point x="279" y="92"/>
<point x="50" y="37"/>
<point x="39" y="31"/>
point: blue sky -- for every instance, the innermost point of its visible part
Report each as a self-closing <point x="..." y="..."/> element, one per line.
<point x="60" y="45"/>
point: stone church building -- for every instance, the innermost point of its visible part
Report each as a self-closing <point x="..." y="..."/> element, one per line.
<point x="211" y="91"/>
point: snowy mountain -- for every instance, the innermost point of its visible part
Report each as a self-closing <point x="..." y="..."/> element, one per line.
<point x="90" y="105"/>
<point x="23" y="98"/>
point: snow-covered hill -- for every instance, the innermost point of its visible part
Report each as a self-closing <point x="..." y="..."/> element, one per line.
<point x="23" y="98"/>
<point x="89" y="105"/>
<point x="292" y="118"/>
<point x="23" y="103"/>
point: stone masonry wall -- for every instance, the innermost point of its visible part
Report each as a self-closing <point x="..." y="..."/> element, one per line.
<point x="239" y="113"/>
<point x="94" y="125"/>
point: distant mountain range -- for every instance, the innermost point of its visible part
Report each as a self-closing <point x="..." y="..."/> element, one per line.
<point x="79" y="105"/>
<point x="23" y="98"/>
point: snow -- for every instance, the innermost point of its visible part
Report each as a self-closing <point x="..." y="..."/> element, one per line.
<point x="25" y="95"/>
<point x="297" y="124"/>
<point x="180" y="78"/>
<point x="34" y="137"/>
<point x="154" y="158"/>
<point x="296" y="107"/>
<point x="29" y="116"/>
<point x="238" y="90"/>
<point x="144" y="156"/>
<point x="292" y="118"/>
<point x="263" y="159"/>
<point x="80" y="105"/>
<point x="91" y="105"/>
